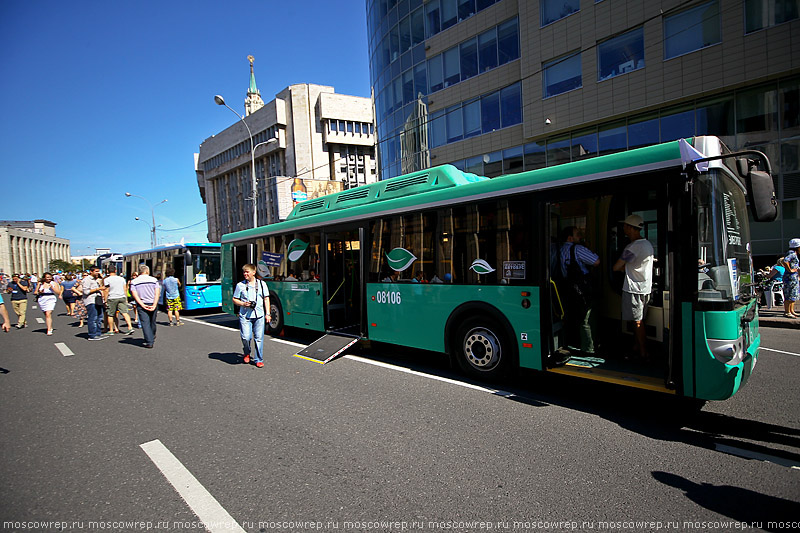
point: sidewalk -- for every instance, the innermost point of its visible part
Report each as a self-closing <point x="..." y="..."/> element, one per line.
<point x="773" y="318"/>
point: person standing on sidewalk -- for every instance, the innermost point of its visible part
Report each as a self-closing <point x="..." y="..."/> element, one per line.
<point x="791" y="279"/>
<point x="146" y="290"/>
<point x="172" y="295"/>
<point x="93" y="301"/>
<point x="117" y="301"/>
<point x="19" y="299"/>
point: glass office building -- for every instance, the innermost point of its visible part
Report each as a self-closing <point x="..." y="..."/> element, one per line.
<point x="501" y="86"/>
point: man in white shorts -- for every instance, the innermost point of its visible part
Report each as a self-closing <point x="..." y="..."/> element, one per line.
<point x="637" y="263"/>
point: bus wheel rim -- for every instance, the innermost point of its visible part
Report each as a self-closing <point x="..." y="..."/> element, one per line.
<point x="482" y="348"/>
<point x="273" y="316"/>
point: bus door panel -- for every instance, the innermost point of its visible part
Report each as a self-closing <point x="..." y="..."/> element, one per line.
<point x="342" y="280"/>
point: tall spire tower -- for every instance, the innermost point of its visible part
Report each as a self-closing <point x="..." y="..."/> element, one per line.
<point x="253" y="102"/>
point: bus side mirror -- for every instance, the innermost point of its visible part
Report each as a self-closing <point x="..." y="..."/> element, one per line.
<point x="761" y="191"/>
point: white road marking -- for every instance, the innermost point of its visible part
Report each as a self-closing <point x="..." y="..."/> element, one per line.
<point x="747" y="454"/>
<point x="203" y="504"/>
<point x="290" y="343"/>
<point x="496" y="392"/>
<point x="34" y="307"/>
<point x="208" y="324"/>
<point x="40" y="320"/>
<point x="780" y="351"/>
<point x="65" y="351"/>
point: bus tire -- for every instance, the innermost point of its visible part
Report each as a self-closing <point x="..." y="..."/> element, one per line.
<point x="274" y="322"/>
<point x="482" y="348"/>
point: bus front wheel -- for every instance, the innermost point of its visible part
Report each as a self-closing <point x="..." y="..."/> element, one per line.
<point x="482" y="348"/>
<point x="274" y="322"/>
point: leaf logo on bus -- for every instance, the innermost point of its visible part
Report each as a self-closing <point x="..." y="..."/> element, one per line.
<point x="296" y="249"/>
<point x="479" y="266"/>
<point x="400" y="259"/>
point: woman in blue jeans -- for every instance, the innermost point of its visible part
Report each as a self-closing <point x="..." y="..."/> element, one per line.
<point x="252" y="297"/>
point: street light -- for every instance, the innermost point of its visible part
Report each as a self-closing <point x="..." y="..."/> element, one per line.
<point x="152" y="214"/>
<point x="253" y="183"/>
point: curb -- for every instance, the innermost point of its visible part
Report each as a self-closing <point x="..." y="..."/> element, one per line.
<point x="774" y="319"/>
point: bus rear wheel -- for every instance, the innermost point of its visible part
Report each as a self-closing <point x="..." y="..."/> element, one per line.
<point x="481" y="348"/>
<point x="274" y="322"/>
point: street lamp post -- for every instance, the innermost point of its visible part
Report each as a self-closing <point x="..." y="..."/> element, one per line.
<point x="152" y="215"/>
<point x="152" y="229"/>
<point x="253" y="183"/>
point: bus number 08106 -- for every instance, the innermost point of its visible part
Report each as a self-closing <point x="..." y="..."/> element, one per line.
<point x="388" y="297"/>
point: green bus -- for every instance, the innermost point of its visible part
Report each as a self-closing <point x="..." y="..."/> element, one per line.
<point x="468" y="266"/>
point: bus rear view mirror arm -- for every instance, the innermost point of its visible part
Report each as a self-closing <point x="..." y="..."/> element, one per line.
<point x="759" y="184"/>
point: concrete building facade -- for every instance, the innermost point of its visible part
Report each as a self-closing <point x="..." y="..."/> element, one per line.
<point x="325" y="143"/>
<point x="29" y="246"/>
<point x="501" y="86"/>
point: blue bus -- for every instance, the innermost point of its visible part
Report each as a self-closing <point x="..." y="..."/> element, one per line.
<point x="197" y="266"/>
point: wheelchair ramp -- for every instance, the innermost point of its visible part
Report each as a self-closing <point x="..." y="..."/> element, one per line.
<point x="327" y="348"/>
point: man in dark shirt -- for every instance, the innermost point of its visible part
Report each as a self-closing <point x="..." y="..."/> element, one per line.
<point x="18" y="288"/>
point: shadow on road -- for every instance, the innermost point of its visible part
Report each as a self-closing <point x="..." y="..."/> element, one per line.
<point x="739" y="504"/>
<point x="232" y="358"/>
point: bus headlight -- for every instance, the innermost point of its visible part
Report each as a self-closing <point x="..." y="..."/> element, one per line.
<point x="730" y="352"/>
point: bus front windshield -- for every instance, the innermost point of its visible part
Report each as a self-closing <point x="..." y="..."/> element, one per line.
<point x="205" y="268"/>
<point x="723" y="238"/>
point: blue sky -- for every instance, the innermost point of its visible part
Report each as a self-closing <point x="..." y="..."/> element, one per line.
<point x="104" y="97"/>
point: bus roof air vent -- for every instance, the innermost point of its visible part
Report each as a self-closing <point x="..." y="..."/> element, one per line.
<point x="310" y="207"/>
<point x="354" y="194"/>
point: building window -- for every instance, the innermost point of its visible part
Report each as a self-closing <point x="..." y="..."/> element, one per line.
<point x="691" y="30"/>
<point x="433" y="18"/>
<point x="508" y="41"/>
<point x="455" y="129"/>
<point x="511" y="105"/>
<point x="490" y="112"/>
<point x="584" y="144"/>
<point x="760" y="14"/>
<point x="333" y="125"/>
<point x="435" y="77"/>
<point x="466" y="8"/>
<point x="490" y="49"/>
<point x="643" y="131"/>
<point x="553" y="10"/>
<point x="349" y="127"/>
<point x="562" y="75"/>
<point x="452" y="69"/>
<point x="449" y="13"/>
<point x="469" y="58"/>
<point x="438" y="131"/>
<point x="472" y="118"/>
<point x="487" y="50"/>
<point x="621" y="54"/>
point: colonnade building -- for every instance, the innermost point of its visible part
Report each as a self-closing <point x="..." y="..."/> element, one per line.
<point x="502" y="86"/>
<point x="29" y="246"/>
<point x="324" y="142"/>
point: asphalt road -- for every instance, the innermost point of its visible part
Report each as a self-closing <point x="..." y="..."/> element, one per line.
<point x="386" y="440"/>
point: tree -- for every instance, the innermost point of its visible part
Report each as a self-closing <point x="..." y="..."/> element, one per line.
<point x="64" y="266"/>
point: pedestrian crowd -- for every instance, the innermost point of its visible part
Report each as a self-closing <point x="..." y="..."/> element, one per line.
<point x="100" y="303"/>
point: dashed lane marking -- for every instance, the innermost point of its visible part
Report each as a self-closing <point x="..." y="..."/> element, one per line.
<point x="40" y="320"/>
<point x="203" y="504"/>
<point x="64" y="349"/>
